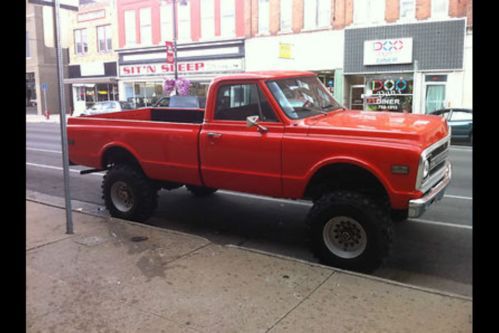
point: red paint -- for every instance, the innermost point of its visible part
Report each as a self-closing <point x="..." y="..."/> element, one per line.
<point x="278" y="163"/>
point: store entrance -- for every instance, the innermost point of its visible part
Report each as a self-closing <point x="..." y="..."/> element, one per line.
<point x="356" y="98"/>
<point x="30" y="94"/>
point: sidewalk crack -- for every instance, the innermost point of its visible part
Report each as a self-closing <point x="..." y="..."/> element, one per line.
<point x="299" y="303"/>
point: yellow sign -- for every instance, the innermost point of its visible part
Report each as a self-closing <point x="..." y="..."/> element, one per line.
<point x="285" y="51"/>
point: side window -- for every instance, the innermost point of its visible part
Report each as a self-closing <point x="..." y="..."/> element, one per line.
<point x="237" y="102"/>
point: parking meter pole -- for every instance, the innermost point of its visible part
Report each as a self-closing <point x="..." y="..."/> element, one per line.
<point x="62" y="108"/>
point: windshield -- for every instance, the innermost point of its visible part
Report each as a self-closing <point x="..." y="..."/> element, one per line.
<point x="302" y="97"/>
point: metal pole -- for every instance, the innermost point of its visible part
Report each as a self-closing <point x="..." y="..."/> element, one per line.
<point x="45" y="100"/>
<point x="175" y="38"/>
<point x="62" y="110"/>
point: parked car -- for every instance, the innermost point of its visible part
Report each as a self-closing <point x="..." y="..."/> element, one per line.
<point x="182" y="102"/>
<point x="362" y="171"/>
<point x="461" y="122"/>
<point x="105" y="107"/>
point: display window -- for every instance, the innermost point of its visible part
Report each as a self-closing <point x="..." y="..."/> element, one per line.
<point x="389" y="93"/>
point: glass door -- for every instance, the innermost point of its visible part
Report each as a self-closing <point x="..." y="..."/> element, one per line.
<point x="434" y="92"/>
<point x="356" y="98"/>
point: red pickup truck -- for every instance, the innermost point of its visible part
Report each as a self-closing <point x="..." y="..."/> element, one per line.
<point x="278" y="134"/>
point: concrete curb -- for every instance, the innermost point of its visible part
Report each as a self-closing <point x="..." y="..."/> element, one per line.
<point x="365" y="276"/>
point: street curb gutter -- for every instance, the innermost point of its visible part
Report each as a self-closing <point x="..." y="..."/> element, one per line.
<point x="261" y="252"/>
<point x="369" y="277"/>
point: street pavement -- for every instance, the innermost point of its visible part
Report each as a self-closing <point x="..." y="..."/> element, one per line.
<point x="434" y="251"/>
<point x="113" y="275"/>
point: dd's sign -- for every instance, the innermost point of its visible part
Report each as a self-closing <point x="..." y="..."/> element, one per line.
<point x="388" y="51"/>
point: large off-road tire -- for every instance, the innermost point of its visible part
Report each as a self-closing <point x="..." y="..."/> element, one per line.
<point x="350" y="231"/>
<point x="128" y="193"/>
<point x="200" y="191"/>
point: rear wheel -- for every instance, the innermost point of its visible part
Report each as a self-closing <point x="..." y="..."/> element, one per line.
<point x="350" y="231"/>
<point x="201" y="191"/>
<point x="128" y="193"/>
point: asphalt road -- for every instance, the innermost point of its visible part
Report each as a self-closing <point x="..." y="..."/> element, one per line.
<point x="434" y="251"/>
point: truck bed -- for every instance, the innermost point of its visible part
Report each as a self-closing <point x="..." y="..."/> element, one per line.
<point x="173" y="115"/>
<point x="163" y="140"/>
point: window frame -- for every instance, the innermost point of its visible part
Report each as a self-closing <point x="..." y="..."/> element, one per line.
<point x="282" y="4"/>
<point x="208" y="19"/>
<point x="259" y="94"/>
<point x="263" y="20"/>
<point x="224" y="32"/>
<point x="165" y="20"/>
<point x="437" y="15"/>
<point x="412" y="17"/>
<point x="130" y="42"/>
<point x="181" y="20"/>
<point x="142" y="26"/>
<point x="82" y="42"/>
<point x="106" y="38"/>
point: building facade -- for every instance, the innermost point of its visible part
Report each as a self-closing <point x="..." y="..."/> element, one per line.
<point x="41" y="62"/>
<point x="92" y="71"/>
<point x="394" y="55"/>
<point x="210" y="42"/>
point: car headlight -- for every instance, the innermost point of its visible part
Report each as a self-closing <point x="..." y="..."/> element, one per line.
<point x="426" y="168"/>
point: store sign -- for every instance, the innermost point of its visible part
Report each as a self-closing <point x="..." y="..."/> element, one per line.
<point x="285" y="51"/>
<point x="208" y="66"/>
<point x="92" y="69"/>
<point x="390" y="95"/>
<point x="388" y="51"/>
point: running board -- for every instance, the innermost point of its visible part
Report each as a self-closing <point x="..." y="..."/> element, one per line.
<point x="84" y="172"/>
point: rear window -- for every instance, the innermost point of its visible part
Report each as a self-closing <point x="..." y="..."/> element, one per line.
<point x="126" y="106"/>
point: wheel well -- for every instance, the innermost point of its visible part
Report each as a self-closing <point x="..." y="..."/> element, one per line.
<point x="343" y="176"/>
<point x="119" y="155"/>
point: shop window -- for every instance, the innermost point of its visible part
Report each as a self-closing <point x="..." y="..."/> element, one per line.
<point x="81" y="42"/>
<point x="389" y="94"/>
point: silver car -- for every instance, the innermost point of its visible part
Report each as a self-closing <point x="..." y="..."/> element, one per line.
<point x="105" y="107"/>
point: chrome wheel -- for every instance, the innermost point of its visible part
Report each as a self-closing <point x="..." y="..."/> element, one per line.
<point x="345" y="237"/>
<point x="122" y="196"/>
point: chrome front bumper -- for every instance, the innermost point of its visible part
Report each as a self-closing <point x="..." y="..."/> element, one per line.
<point x="418" y="206"/>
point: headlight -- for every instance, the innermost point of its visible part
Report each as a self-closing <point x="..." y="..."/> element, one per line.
<point x="426" y="168"/>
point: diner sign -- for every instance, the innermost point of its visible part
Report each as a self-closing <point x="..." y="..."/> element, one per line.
<point x="388" y="51"/>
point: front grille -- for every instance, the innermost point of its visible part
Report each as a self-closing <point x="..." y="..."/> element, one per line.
<point x="438" y="157"/>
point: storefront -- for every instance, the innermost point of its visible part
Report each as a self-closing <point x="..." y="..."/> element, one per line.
<point x="320" y="52"/>
<point x="142" y="72"/>
<point x="93" y="82"/>
<point x="411" y="68"/>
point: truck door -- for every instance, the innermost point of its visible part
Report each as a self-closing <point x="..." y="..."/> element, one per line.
<point x="235" y="157"/>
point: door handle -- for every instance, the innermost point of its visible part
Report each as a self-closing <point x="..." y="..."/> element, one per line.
<point x="214" y="135"/>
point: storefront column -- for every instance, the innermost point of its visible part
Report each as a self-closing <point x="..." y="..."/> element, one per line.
<point x="121" y="90"/>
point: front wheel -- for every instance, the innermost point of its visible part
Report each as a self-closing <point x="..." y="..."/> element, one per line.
<point x="350" y="231"/>
<point x="129" y="194"/>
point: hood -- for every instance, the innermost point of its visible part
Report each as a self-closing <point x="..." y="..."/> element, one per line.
<point x="423" y="129"/>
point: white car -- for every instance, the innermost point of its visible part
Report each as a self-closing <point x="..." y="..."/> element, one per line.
<point x="104" y="107"/>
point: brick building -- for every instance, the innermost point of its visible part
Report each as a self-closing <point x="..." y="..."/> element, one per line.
<point x="210" y="42"/>
<point x="41" y="65"/>
<point x="93" y="58"/>
<point x="417" y="51"/>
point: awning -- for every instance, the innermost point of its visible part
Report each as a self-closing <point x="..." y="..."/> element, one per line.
<point x="91" y="80"/>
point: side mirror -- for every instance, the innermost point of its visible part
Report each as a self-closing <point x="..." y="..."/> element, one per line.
<point x="252" y="121"/>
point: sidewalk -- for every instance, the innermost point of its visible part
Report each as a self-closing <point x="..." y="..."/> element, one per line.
<point x="34" y="118"/>
<point x="119" y="276"/>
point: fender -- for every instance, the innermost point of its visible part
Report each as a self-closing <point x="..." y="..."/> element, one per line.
<point x="118" y="144"/>
<point x="353" y="161"/>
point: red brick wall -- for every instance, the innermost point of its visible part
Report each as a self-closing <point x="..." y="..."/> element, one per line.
<point x="423" y="9"/>
<point x="298" y="9"/>
<point x="392" y="10"/>
<point x="275" y="16"/>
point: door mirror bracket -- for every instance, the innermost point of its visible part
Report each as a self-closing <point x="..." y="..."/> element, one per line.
<point x="252" y="121"/>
